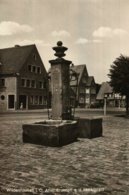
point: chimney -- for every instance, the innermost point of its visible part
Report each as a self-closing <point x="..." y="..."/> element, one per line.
<point x="16" y="46"/>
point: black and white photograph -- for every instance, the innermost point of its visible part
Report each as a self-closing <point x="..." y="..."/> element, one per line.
<point x="64" y="97"/>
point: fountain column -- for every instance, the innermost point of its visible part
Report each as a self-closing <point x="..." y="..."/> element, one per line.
<point x="60" y="84"/>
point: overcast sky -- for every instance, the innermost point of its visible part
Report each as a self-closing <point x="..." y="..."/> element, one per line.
<point x="95" y="31"/>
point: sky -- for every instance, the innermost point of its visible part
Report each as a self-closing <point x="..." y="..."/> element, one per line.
<point x="96" y="32"/>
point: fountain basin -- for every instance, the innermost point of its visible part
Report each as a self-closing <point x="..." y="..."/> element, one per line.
<point x="90" y="127"/>
<point x="51" y="132"/>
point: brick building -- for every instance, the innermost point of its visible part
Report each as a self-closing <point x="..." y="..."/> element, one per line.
<point x="23" y="78"/>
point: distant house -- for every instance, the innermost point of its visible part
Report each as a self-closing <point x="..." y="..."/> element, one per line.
<point x="23" y="78"/>
<point x="107" y="90"/>
<point x="86" y="89"/>
<point x="90" y="91"/>
<point x="113" y="99"/>
<point x="79" y="86"/>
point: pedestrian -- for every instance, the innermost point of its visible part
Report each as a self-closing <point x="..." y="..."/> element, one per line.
<point x="21" y="106"/>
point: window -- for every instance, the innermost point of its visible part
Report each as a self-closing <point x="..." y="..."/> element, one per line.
<point x="31" y="99"/>
<point x="82" y="90"/>
<point x="36" y="100"/>
<point x="40" y="99"/>
<point x="81" y="100"/>
<point x="33" y="83"/>
<point x="38" y="70"/>
<point x="28" y="83"/>
<point x="87" y="91"/>
<point x="93" y="90"/>
<point x="44" y="84"/>
<point x="87" y="100"/>
<point x="29" y="68"/>
<point x="33" y="69"/>
<point x="2" y="82"/>
<point x="23" y="83"/>
<point x="40" y="84"/>
<point x="45" y="100"/>
<point x="2" y="97"/>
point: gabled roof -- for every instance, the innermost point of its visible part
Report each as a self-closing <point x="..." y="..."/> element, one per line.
<point x="12" y="59"/>
<point x="79" y="69"/>
<point x="89" y="81"/>
<point x="105" y="88"/>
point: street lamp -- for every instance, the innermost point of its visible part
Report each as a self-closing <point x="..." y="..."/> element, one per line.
<point x="105" y="103"/>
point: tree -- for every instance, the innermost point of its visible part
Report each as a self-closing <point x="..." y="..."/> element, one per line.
<point x="119" y="77"/>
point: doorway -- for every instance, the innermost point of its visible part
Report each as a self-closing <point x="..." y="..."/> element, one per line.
<point x="22" y="99"/>
<point x="11" y="103"/>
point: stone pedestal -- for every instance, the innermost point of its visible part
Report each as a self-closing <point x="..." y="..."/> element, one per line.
<point x="60" y="89"/>
<point x="90" y="127"/>
<point x="50" y="133"/>
<point x="60" y="84"/>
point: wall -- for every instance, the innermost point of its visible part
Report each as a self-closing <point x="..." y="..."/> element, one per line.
<point x="8" y="89"/>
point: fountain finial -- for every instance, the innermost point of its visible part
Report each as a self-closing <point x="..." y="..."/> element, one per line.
<point x="60" y="49"/>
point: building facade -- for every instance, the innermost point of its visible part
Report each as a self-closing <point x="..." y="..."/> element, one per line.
<point x="23" y="79"/>
<point x="112" y="99"/>
<point x="86" y="87"/>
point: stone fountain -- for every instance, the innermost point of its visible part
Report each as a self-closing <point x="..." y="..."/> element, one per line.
<point x="62" y="129"/>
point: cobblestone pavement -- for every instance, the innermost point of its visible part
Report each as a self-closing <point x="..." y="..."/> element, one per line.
<point x="96" y="166"/>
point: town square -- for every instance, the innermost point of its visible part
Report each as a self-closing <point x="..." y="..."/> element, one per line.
<point x="100" y="163"/>
<point x="64" y="97"/>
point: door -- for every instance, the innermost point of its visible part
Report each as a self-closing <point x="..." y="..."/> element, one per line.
<point x="11" y="104"/>
<point x="22" y="100"/>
